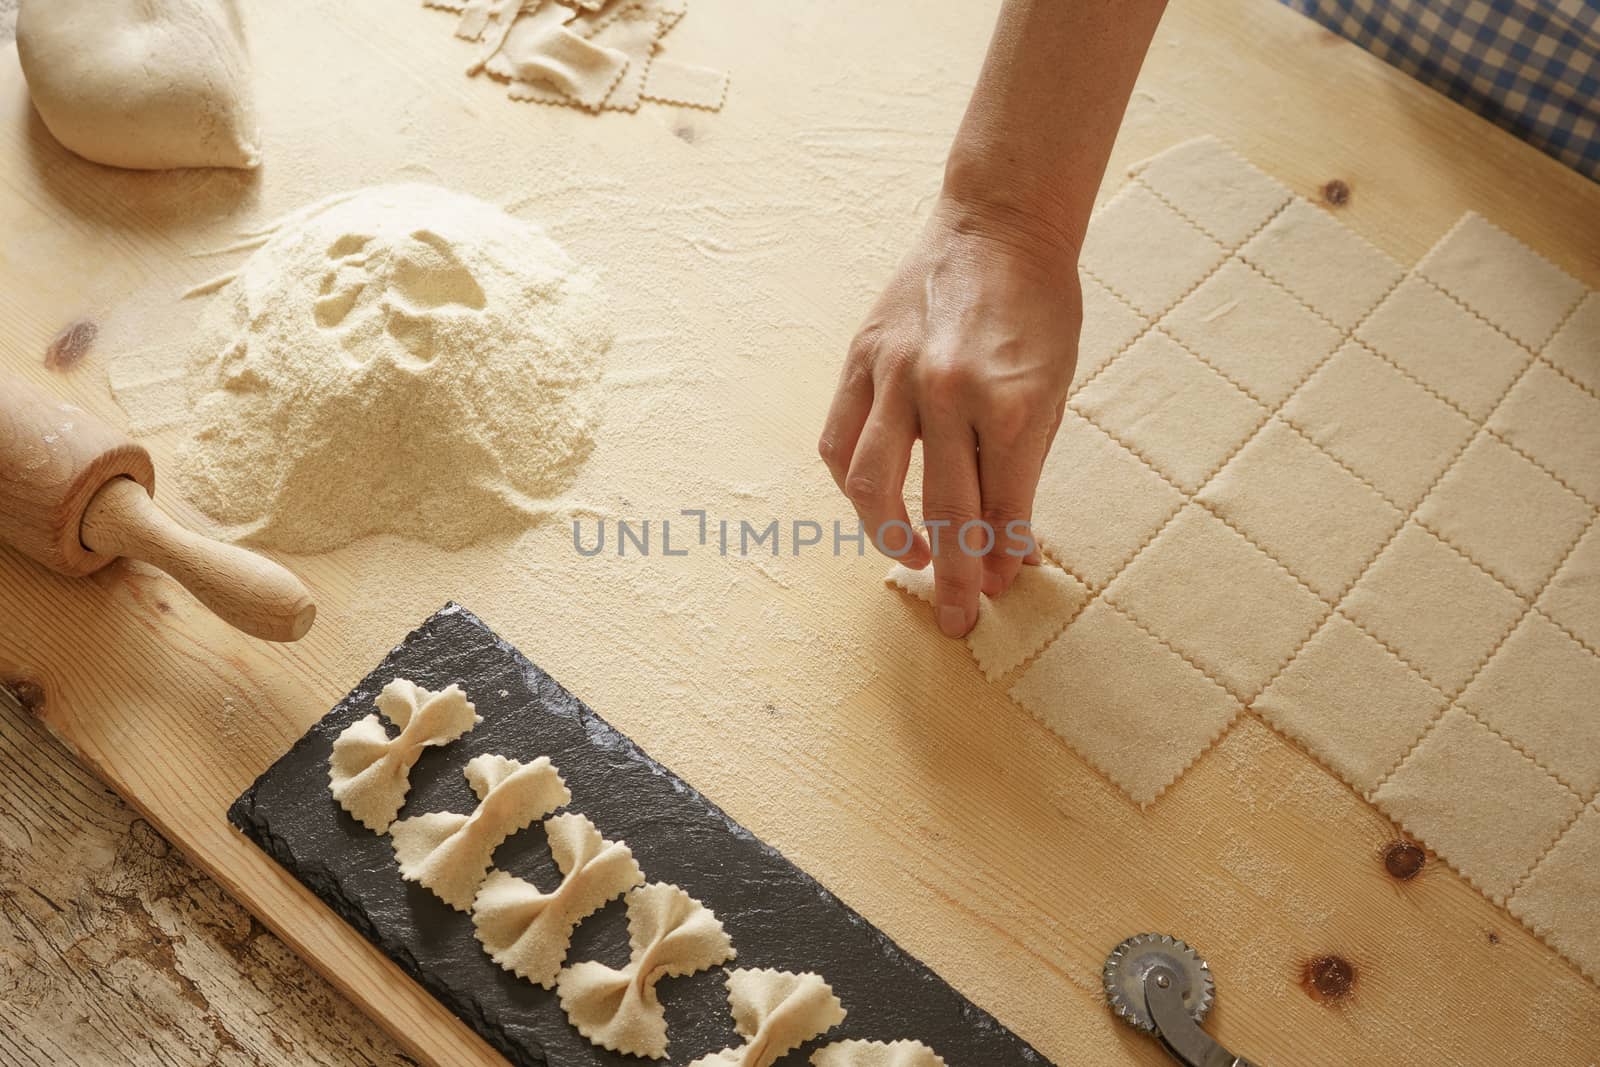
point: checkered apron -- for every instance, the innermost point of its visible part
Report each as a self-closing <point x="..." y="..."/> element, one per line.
<point x="1531" y="66"/>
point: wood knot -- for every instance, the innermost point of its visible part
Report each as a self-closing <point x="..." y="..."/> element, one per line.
<point x="1403" y="860"/>
<point x="28" y="694"/>
<point x="70" y="345"/>
<point x="1336" y="193"/>
<point x="1328" y="978"/>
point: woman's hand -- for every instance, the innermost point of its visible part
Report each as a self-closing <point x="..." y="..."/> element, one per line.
<point x="971" y="347"/>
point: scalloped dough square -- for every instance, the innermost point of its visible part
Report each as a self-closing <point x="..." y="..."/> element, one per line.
<point x="1502" y="279"/>
<point x="1557" y="424"/>
<point x="1097" y="503"/>
<point x="1558" y="898"/>
<point x="1040" y="602"/>
<point x="1296" y="502"/>
<point x="1252" y="332"/>
<point x="1478" y="802"/>
<point x="686" y="84"/>
<point x="1174" y="411"/>
<point x="1351" y="703"/>
<point x="1540" y="691"/>
<point x="1385" y="428"/>
<point x="1483" y="505"/>
<point x="1140" y="725"/>
<point x="1447" y="348"/>
<point x="1011" y="628"/>
<point x="1222" y="193"/>
<point x="1219" y="600"/>
<point x="1576" y="346"/>
<point x="1327" y="265"/>
<point x="1436" y="609"/>
<point x="1573" y="596"/>
<point x="1145" y="252"/>
<point x="1109" y="326"/>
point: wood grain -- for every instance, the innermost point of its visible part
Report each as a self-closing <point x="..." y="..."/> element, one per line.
<point x="816" y="708"/>
<point x="115" y="949"/>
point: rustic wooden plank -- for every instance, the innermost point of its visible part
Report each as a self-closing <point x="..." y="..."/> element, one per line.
<point x="817" y="709"/>
<point x="114" y="948"/>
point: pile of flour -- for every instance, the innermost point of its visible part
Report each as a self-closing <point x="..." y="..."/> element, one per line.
<point x="401" y="360"/>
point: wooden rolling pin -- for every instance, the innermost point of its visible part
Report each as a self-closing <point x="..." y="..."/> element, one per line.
<point x="75" y="494"/>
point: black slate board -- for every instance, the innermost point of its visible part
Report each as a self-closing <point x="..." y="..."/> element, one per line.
<point x="777" y="915"/>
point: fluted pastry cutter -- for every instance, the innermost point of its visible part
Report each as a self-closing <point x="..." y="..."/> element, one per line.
<point x="1158" y="984"/>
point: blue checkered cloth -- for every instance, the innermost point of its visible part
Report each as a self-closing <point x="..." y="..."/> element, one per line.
<point x="1531" y="66"/>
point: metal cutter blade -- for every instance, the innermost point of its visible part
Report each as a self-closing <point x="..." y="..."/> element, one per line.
<point x="1131" y="961"/>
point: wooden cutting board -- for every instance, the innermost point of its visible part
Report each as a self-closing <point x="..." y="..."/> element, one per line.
<point x="815" y="707"/>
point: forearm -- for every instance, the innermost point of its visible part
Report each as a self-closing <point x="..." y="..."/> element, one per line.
<point x="1032" y="148"/>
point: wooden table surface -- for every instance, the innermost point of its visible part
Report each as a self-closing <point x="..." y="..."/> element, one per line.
<point x="127" y="953"/>
<point x="816" y="708"/>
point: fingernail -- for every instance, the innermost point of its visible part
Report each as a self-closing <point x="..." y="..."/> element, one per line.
<point x="992" y="585"/>
<point x="952" y="620"/>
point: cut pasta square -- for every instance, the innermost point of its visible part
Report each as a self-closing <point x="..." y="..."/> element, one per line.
<point x="1540" y="692"/>
<point x="1556" y="423"/>
<point x="1174" y="411"/>
<point x="1575" y="349"/>
<point x="1444" y="346"/>
<point x="1478" y="802"/>
<point x="1219" y="600"/>
<point x="1224" y="195"/>
<point x="1252" y="332"/>
<point x="1434" y="608"/>
<point x="1330" y="267"/>
<point x="1147" y="253"/>
<point x="1483" y="504"/>
<point x="1572" y="598"/>
<point x="686" y="84"/>
<point x="1009" y="629"/>
<point x="1322" y="522"/>
<point x="1140" y="725"/>
<point x="1351" y="703"/>
<point x="1109" y="326"/>
<point x="1096" y="503"/>
<point x="1385" y="428"/>
<point x="1558" y="898"/>
<point x="1502" y="279"/>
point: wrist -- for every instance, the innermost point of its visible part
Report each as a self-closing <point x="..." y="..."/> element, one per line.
<point x="1038" y="218"/>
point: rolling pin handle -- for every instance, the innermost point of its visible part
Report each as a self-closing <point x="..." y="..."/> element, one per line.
<point x="247" y="591"/>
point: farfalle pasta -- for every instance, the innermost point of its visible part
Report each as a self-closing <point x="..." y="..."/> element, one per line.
<point x="777" y="1012"/>
<point x="671" y="935"/>
<point x="369" y="773"/>
<point x="449" y="852"/>
<point x="876" y="1054"/>
<point x="528" y="931"/>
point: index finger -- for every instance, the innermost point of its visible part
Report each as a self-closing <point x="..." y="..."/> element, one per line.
<point x="950" y="497"/>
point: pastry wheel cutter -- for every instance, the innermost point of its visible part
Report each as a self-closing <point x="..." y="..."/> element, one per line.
<point x="1158" y="984"/>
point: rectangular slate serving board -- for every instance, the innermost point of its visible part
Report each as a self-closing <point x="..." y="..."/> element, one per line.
<point x="777" y="915"/>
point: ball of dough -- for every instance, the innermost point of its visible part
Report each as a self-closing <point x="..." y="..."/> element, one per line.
<point x="146" y="84"/>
